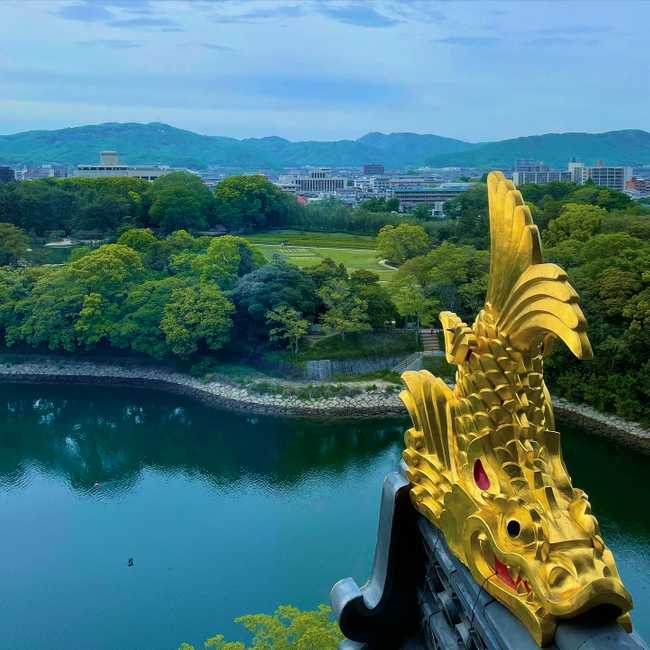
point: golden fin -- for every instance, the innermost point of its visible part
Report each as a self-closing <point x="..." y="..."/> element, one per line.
<point x="427" y="400"/>
<point x="530" y="300"/>
<point x="459" y="337"/>
<point x="514" y="239"/>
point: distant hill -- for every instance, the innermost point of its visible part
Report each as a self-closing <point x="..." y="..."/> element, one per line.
<point x="629" y="147"/>
<point x="164" y="144"/>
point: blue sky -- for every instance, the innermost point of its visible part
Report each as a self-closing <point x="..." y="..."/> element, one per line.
<point x="327" y="69"/>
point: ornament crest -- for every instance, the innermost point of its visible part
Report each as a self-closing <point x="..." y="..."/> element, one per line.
<point x="484" y="459"/>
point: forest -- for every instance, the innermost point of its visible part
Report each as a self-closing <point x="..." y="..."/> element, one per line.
<point x="160" y="288"/>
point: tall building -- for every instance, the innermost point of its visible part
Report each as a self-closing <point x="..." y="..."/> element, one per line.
<point x="6" y="174"/>
<point x="612" y="177"/>
<point x="109" y="165"/>
<point x="373" y="169"/>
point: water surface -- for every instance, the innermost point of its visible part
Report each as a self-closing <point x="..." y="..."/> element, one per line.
<point x="222" y="514"/>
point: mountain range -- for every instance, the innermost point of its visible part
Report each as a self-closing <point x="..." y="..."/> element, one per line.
<point x="163" y="144"/>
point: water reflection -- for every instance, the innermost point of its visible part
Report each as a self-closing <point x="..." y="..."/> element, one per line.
<point x="106" y="438"/>
<point x="225" y="514"/>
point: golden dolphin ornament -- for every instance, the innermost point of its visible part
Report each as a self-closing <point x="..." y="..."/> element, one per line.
<point x="484" y="459"/>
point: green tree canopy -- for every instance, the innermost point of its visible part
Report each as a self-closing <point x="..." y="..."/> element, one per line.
<point x="275" y="283"/>
<point x="290" y="326"/>
<point x="227" y="259"/>
<point x="402" y="242"/>
<point x="13" y="244"/>
<point x="287" y="629"/>
<point x="381" y="309"/>
<point x="180" y="200"/>
<point x="345" y="312"/>
<point x="197" y="315"/>
<point x="249" y="202"/>
<point x="380" y="205"/>
<point x="576" y="221"/>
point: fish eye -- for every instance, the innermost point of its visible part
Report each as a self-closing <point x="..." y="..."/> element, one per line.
<point x="480" y="475"/>
<point x="513" y="527"/>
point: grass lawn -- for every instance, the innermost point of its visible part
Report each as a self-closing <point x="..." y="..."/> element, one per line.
<point x="308" y="249"/>
<point x="317" y="239"/>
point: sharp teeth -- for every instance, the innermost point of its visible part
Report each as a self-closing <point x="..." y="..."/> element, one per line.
<point x="521" y="588"/>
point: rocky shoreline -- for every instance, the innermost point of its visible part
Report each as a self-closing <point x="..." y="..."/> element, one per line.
<point x="379" y="400"/>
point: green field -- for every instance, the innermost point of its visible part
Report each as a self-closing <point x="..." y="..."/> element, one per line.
<point x="315" y="239"/>
<point x="308" y="249"/>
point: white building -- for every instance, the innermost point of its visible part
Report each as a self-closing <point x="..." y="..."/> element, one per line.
<point x="541" y="177"/>
<point x="317" y="181"/>
<point x="614" y="178"/>
<point x="109" y="165"/>
<point x="434" y="197"/>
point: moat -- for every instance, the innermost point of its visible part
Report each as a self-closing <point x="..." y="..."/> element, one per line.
<point x="222" y="514"/>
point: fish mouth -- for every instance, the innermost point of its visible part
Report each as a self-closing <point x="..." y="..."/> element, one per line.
<point x="510" y="576"/>
<point x="503" y="573"/>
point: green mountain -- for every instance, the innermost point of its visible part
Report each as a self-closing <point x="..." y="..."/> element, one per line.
<point x="164" y="144"/>
<point x="629" y="147"/>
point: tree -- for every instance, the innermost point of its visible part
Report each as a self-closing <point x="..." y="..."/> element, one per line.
<point x="180" y="200"/>
<point x="290" y="326"/>
<point x="410" y="301"/>
<point x="13" y="244"/>
<point x="576" y="221"/>
<point x="380" y="205"/>
<point x="287" y="629"/>
<point x="227" y="259"/>
<point x="275" y="283"/>
<point x="151" y="249"/>
<point x="422" y="212"/>
<point x="139" y="326"/>
<point x="381" y="309"/>
<point x="454" y="275"/>
<point x="198" y="315"/>
<point x="46" y="315"/>
<point x="252" y="202"/>
<point x="326" y="270"/>
<point x="470" y="210"/>
<point x="402" y="242"/>
<point x="78" y="303"/>
<point x="346" y="313"/>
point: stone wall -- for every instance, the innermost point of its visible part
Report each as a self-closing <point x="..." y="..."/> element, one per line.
<point x="326" y="369"/>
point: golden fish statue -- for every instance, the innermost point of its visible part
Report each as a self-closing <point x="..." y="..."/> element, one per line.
<point x="484" y="459"/>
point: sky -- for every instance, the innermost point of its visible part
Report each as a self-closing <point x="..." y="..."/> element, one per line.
<point x="327" y="70"/>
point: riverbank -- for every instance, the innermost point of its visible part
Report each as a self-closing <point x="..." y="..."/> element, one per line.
<point x="363" y="399"/>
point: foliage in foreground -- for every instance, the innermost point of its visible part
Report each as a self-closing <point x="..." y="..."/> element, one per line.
<point x="287" y="629"/>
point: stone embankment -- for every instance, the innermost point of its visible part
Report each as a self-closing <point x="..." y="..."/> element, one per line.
<point x="380" y="400"/>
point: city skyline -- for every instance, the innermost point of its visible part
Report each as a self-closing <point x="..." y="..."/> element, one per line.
<point x="326" y="70"/>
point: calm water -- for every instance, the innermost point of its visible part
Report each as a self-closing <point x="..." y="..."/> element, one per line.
<point x="222" y="514"/>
